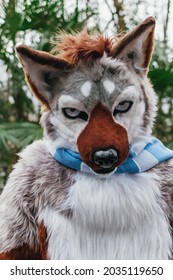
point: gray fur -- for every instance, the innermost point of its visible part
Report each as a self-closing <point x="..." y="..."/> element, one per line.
<point x="147" y="108"/>
<point x="35" y="182"/>
<point x="164" y="171"/>
<point x="45" y="182"/>
<point x="96" y="75"/>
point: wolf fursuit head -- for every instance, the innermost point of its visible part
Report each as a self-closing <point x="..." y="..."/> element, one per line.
<point x="99" y="185"/>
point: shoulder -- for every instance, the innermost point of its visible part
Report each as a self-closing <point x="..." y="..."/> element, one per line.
<point x="31" y="161"/>
<point x="35" y="160"/>
<point x="164" y="172"/>
<point x="36" y="180"/>
<point x="20" y="179"/>
<point x="37" y="176"/>
<point x="34" y="152"/>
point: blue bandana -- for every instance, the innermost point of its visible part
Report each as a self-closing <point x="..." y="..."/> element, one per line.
<point x="143" y="156"/>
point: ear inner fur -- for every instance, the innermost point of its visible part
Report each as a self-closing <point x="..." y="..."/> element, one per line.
<point x="102" y="132"/>
<point x="44" y="102"/>
<point x="130" y="41"/>
<point x="148" y="49"/>
<point x="133" y="35"/>
<point x="42" y="58"/>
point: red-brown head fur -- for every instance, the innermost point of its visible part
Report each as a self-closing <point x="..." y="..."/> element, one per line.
<point x="83" y="46"/>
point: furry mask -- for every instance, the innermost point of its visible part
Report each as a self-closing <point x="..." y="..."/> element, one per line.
<point x="94" y="92"/>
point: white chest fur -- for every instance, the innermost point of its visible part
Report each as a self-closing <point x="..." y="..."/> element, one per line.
<point x="115" y="218"/>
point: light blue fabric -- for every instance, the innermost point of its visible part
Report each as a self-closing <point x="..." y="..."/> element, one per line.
<point x="143" y="156"/>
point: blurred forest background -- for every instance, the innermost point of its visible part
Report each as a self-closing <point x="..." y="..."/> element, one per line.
<point x="35" y="23"/>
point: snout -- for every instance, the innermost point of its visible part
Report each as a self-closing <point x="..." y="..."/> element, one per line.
<point x="105" y="158"/>
<point x="103" y="144"/>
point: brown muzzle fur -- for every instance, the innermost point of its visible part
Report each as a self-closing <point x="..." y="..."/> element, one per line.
<point x="102" y="132"/>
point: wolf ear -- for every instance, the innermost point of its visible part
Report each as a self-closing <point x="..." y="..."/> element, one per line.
<point x="136" y="47"/>
<point x="41" y="70"/>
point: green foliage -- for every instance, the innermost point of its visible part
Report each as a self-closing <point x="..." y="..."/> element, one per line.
<point x="33" y="22"/>
<point x="161" y="75"/>
<point x="13" y="137"/>
<point x="36" y="21"/>
<point x="18" y="134"/>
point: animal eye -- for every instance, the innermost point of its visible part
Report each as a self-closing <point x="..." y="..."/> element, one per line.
<point x="72" y="113"/>
<point x="122" y="107"/>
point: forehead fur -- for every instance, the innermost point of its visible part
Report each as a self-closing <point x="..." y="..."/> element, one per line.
<point x="93" y="85"/>
<point x="83" y="46"/>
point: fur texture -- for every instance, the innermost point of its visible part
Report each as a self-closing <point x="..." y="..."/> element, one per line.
<point x="22" y="200"/>
<point x="96" y="214"/>
<point x="112" y="219"/>
<point x="93" y="137"/>
<point x="48" y="211"/>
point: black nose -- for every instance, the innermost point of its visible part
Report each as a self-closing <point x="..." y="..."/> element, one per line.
<point x="105" y="158"/>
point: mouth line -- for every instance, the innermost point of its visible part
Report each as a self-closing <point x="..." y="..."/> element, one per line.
<point x="104" y="171"/>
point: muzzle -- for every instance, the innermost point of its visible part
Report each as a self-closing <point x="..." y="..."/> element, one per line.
<point x="103" y="144"/>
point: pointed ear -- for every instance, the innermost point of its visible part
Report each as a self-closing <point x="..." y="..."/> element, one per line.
<point x="41" y="71"/>
<point x="136" y="47"/>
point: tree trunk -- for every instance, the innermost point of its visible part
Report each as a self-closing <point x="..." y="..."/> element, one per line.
<point x="166" y="23"/>
<point x="119" y="6"/>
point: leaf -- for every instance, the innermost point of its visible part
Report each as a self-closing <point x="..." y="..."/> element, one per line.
<point x="18" y="135"/>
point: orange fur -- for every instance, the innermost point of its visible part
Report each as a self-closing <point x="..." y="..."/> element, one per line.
<point x="23" y="252"/>
<point x="42" y="237"/>
<point x="82" y="45"/>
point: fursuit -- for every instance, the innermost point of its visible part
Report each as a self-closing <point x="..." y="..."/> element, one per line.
<point x="99" y="185"/>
